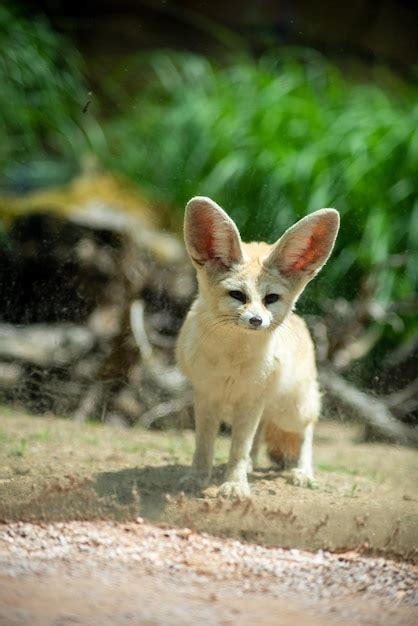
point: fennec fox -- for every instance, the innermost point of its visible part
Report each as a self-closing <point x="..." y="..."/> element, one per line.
<point x="250" y="360"/>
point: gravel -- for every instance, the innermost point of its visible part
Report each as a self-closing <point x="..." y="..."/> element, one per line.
<point x="32" y="549"/>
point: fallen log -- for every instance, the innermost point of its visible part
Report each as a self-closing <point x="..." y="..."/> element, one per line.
<point x="372" y="410"/>
<point x="45" y="345"/>
<point x="166" y="409"/>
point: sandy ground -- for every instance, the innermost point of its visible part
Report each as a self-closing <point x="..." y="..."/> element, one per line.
<point x="96" y="531"/>
<point x="56" y="470"/>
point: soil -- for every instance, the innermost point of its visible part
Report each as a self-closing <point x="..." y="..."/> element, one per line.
<point x="96" y="531"/>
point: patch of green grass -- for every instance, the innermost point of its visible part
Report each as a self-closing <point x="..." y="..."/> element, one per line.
<point x="353" y="490"/>
<point x="337" y="469"/>
<point x="134" y="448"/>
<point x="6" y="411"/>
<point x="8" y="439"/>
<point x="313" y="485"/>
<point x="172" y="448"/>
<point x="16" y="445"/>
<point x="94" y="424"/>
<point x="19" y="449"/>
<point x="91" y="440"/>
<point x="221" y="456"/>
<point x="42" y="436"/>
<point x="350" y="471"/>
<point x="177" y="447"/>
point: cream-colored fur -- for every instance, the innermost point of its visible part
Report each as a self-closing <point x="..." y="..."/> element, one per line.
<point x="250" y="362"/>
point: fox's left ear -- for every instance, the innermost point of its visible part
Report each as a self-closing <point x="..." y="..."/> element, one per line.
<point x="305" y="247"/>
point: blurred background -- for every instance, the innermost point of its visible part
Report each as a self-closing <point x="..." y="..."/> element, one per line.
<point x="113" y="114"/>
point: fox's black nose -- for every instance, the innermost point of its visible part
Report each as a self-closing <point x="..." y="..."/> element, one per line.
<point x="256" y="321"/>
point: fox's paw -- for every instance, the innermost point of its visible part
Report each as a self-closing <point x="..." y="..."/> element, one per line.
<point x="233" y="490"/>
<point x="193" y="482"/>
<point x="299" y="478"/>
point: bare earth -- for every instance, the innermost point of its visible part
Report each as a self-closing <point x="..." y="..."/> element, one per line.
<point x="77" y="545"/>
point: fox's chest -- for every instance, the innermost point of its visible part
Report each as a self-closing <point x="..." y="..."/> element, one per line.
<point x="230" y="373"/>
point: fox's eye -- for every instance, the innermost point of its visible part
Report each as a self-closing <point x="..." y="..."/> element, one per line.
<point x="238" y="295"/>
<point x="271" y="298"/>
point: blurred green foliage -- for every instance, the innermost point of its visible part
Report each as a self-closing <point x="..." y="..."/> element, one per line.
<point x="268" y="139"/>
<point x="41" y="100"/>
<point x="273" y="139"/>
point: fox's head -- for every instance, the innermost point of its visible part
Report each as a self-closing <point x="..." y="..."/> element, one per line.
<point x="255" y="285"/>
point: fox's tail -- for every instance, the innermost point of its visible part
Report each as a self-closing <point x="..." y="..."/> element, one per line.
<point x="282" y="447"/>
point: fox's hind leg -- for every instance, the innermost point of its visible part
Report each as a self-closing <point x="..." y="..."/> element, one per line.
<point x="283" y="447"/>
<point x="292" y="450"/>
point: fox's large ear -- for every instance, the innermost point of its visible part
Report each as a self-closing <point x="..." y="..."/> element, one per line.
<point x="210" y="234"/>
<point x="305" y="247"/>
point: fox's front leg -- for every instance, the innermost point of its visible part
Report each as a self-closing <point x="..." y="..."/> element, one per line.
<point x="207" y="426"/>
<point x="244" y="428"/>
<point x="303" y="475"/>
<point x="255" y="448"/>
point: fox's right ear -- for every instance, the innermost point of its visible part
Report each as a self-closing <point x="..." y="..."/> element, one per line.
<point x="211" y="236"/>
